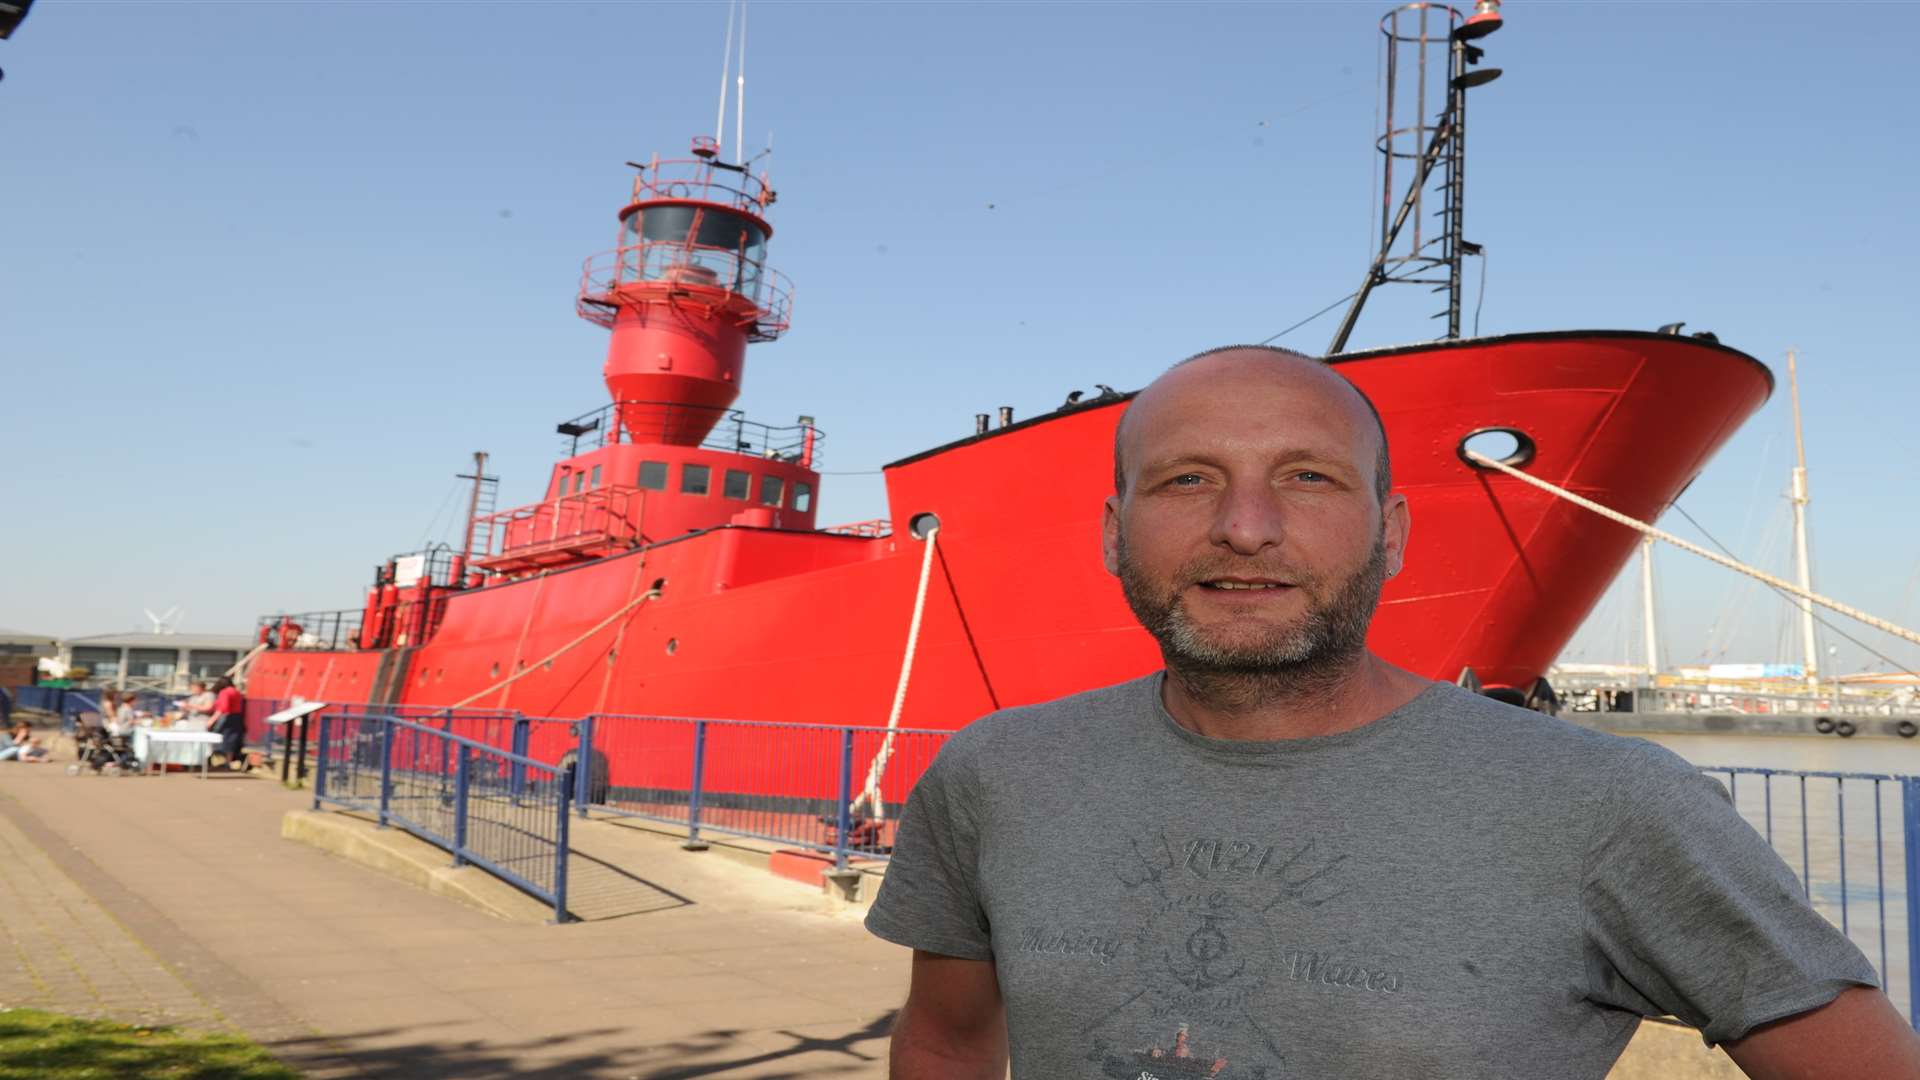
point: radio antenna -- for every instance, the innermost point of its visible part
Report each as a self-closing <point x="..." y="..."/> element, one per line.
<point x="740" y="99"/>
<point x="726" y="62"/>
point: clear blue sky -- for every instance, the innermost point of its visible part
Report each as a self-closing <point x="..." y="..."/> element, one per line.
<point x="269" y="272"/>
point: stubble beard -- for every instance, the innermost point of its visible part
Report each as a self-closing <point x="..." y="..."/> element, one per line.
<point x="1304" y="659"/>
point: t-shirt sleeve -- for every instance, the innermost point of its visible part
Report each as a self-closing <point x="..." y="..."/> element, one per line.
<point x="930" y="896"/>
<point x="1689" y="912"/>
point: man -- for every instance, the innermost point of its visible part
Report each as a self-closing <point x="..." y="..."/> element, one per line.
<point x="229" y="722"/>
<point x="1286" y="857"/>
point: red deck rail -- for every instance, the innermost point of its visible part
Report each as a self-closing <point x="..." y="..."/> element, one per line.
<point x="569" y="528"/>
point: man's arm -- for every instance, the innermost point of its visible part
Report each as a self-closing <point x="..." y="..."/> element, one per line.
<point x="1857" y="1034"/>
<point x="953" y="1026"/>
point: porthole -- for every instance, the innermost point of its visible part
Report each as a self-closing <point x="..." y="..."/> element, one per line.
<point x="1508" y="446"/>
<point x="494" y="672"/>
<point x="673" y="646"/>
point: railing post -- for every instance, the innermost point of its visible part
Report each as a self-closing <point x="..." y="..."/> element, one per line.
<point x="1910" y="816"/>
<point x="460" y="805"/>
<point x="320" y="767"/>
<point x="560" y="858"/>
<point x="845" y="814"/>
<point x="386" y="766"/>
<point x="517" y="772"/>
<point x="694" y="843"/>
<point x="583" y="766"/>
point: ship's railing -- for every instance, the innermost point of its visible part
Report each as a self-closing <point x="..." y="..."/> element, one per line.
<point x="610" y="516"/>
<point x="703" y="179"/>
<point x="694" y="269"/>
<point x="875" y="528"/>
<point x="331" y="630"/>
<point x="792" y="784"/>
<point x="728" y="430"/>
<point x="500" y="811"/>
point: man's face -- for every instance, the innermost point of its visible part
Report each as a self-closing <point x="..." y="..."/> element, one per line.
<point x="1249" y="538"/>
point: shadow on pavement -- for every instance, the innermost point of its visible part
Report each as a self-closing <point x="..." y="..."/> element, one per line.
<point x="598" y="890"/>
<point x="718" y="1053"/>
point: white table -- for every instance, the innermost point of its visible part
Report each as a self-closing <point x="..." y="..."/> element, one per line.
<point x="164" y="746"/>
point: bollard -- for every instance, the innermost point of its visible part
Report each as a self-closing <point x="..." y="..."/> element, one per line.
<point x="694" y="843"/>
<point x="460" y="804"/>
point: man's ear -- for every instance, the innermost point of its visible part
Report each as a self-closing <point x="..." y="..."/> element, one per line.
<point x="1396" y="524"/>
<point x="1110" y="535"/>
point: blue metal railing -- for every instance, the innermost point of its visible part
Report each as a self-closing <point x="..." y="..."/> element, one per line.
<point x="1862" y="879"/>
<point x="503" y="812"/>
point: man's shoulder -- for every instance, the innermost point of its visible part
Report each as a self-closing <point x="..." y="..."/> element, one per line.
<point x="1484" y="727"/>
<point x="1051" y="724"/>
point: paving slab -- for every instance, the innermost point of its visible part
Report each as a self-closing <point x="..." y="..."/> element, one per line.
<point x="170" y="899"/>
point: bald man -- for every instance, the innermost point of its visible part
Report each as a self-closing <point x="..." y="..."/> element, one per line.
<point x="1284" y="856"/>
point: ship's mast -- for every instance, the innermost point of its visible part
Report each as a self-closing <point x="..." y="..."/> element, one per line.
<point x="1409" y="134"/>
<point x="1803" y="565"/>
<point x="1647" y="609"/>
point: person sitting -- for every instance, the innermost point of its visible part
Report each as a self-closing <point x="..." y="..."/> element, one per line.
<point x="121" y="720"/>
<point x="22" y="744"/>
<point x="196" y="709"/>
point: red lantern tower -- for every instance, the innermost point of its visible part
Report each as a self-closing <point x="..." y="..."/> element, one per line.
<point x="684" y="292"/>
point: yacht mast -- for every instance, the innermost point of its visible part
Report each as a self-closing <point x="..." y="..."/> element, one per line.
<point x="1802" y="565"/>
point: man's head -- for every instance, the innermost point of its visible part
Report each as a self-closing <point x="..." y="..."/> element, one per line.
<point x="1253" y="523"/>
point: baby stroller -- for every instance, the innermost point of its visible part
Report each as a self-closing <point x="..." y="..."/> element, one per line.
<point x="100" y="750"/>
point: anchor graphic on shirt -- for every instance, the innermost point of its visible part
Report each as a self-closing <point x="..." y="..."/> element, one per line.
<point x="1207" y="945"/>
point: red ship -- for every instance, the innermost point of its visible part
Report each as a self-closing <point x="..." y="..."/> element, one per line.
<point x="674" y="565"/>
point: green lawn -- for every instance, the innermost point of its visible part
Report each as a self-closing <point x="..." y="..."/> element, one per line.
<point x="37" y="1045"/>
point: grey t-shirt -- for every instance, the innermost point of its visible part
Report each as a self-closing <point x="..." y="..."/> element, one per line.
<point x="1458" y="889"/>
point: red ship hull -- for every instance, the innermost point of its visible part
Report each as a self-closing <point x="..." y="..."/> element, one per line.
<point x="765" y="624"/>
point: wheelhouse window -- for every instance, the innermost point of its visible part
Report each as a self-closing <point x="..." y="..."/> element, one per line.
<point x="595" y="482"/>
<point x="772" y="488"/>
<point x="736" y="484"/>
<point x="653" y="475"/>
<point x="802" y="496"/>
<point x="695" y="479"/>
<point x="579" y="481"/>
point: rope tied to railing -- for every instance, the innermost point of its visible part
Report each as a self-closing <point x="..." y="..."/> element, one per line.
<point x="1732" y="564"/>
<point x="870" y="791"/>
<point x="650" y="594"/>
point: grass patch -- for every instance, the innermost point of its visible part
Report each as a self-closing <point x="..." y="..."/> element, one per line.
<point x="37" y="1045"/>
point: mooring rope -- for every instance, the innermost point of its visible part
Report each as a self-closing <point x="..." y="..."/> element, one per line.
<point x="870" y="792"/>
<point x="1731" y="564"/>
<point x="536" y="665"/>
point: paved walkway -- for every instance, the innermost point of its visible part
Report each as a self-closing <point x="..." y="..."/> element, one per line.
<point x="172" y="899"/>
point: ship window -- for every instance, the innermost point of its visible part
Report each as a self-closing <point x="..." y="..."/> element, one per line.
<point x="771" y="488"/>
<point x="579" y="481"/>
<point x="595" y="482"/>
<point x="653" y="475"/>
<point x="737" y="482"/>
<point x="802" y="497"/>
<point x="694" y="479"/>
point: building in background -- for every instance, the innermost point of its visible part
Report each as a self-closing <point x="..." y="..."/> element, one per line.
<point x="20" y="656"/>
<point x="148" y="661"/>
